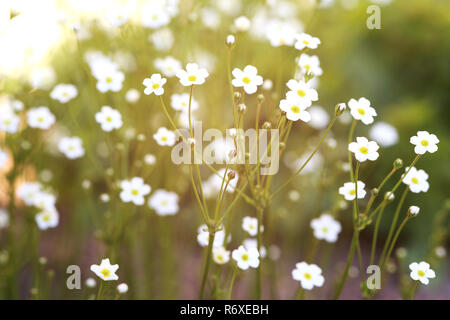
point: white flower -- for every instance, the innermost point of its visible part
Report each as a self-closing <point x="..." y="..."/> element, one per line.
<point x="383" y="133"/>
<point x="110" y="79"/>
<point x="309" y="275"/>
<point x="326" y="228"/>
<point x="295" y="109"/>
<point x="247" y="78"/>
<point x="28" y="192"/>
<point x="109" y="118"/>
<point x="364" y="149"/>
<point x="414" y="210"/>
<point x="117" y="17"/>
<point x="349" y="192"/>
<point x="4" y="219"/>
<point x="162" y="39"/>
<point x="250" y="225"/>
<point x="154" y="84"/>
<point x="164" y="203"/>
<point x="242" y="23"/>
<point x="47" y="219"/>
<point x="416" y="180"/>
<point x="302" y="91"/>
<point x="122" y="288"/>
<point x="310" y="64"/>
<point x="424" y="142"/>
<point x="361" y="110"/>
<point x="253" y="243"/>
<point x="319" y="117"/>
<point x="132" y="95"/>
<point x="9" y="121"/>
<point x="71" y="147"/>
<point x="203" y="236"/>
<point x="168" y="66"/>
<point x="154" y="17"/>
<point x="64" y="92"/>
<point x="230" y="39"/>
<point x="246" y="258"/>
<point x="134" y="190"/>
<point x="192" y="75"/>
<point x="44" y="201"/>
<point x="150" y="159"/>
<point x="164" y="137"/>
<point x="90" y="282"/>
<point x="180" y="102"/>
<point x="42" y="78"/>
<point x="421" y="271"/>
<point x="305" y="40"/>
<point x="267" y="84"/>
<point x="105" y="271"/>
<point x="3" y="158"/>
<point x="221" y="255"/>
<point x="40" y="117"/>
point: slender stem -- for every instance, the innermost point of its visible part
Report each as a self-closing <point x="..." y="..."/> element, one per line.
<point x="300" y="293"/>
<point x="100" y="290"/>
<point x="347" y="266"/>
<point x="212" y="235"/>
<point x="259" y="241"/>
<point x="233" y="277"/>
<point x="393" y="242"/>
<point x="413" y="290"/>
<point x="375" y="235"/>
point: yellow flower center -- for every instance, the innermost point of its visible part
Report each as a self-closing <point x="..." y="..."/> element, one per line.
<point x="307" y="276"/>
<point x="324" y="229"/>
<point x="424" y="142"/>
<point x="246" y="80"/>
<point x="155" y="86"/>
<point x="306" y="42"/>
<point x="295" y="109"/>
<point x="301" y="93"/>
<point x="134" y="192"/>
<point x="46" y="217"/>
<point x="361" y="111"/>
<point x="109" y="119"/>
<point x="364" y="150"/>
<point x="245" y="257"/>
<point x="420" y="273"/>
<point x="164" y="138"/>
<point x="40" y="119"/>
<point x="220" y="257"/>
<point x="7" y="122"/>
<point x="109" y="79"/>
<point x="307" y="66"/>
<point x="192" y="78"/>
<point x="415" y="180"/>
<point x="105" y="272"/>
<point x="352" y="192"/>
<point x="164" y="203"/>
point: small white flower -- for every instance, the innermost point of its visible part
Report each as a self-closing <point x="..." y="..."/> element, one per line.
<point x="250" y="225"/>
<point x="267" y="84"/>
<point x="424" y="142"/>
<point x="421" y="271"/>
<point x="122" y="288"/>
<point x="149" y="159"/>
<point x="414" y="210"/>
<point x="242" y="23"/>
<point x="302" y="91"/>
<point x="164" y="137"/>
<point x="164" y="203"/>
<point x="383" y="133"/>
<point x="9" y="121"/>
<point x="416" y="180"/>
<point x="309" y="275"/>
<point x="310" y="64"/>
<point x="154" y="16"/>
<point x="192" y="75"/>
<point x="105" y="271"/>
<point x="132" y="96"/>
<point x="162" y="39"/>
<point x="47" y="219"/>
<point x="319" y="117"/>
<point x="247" y="78"/>
<point x="246" y="258"/>
<point x="326" y="228"/>
<point x="348" y="190"/>
<point x="168" y="66"/>
<point x="203" y="237"/>
<point x="4" y="219"/>
<point x="364" y="149"/>
<point x="134" y="190"/>
<point x="117" y="17"/>
<point x="28" y="192"/>
<point x="71" y="147"/>
<point x="154" y="84"/>
<point x="305" y="40"/>
<point x="361" y="110"/>
<point x="110" y="79"/>
<point x="230" y="39"/>
<point x="280" y="34"/>
<point x="295" y="109"/>
<point x="90" y="282"/>
<point x="253" y="243"/>
<point x="221" y="255"/>
<point x="64" y="92"/>
<point x="109" y="118"/>
<point x="3" y="158"/>
<point x="40" y="117"/>
<point x="44" y="201"/>
<point x="180" y="102"/>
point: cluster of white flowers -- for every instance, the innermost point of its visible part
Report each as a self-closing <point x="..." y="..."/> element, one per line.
<point x="9" y="120"/>
<point x="298" y="100"/>
<point x="106" y="71"/>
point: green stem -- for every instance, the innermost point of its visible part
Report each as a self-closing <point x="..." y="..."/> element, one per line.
<point x="347" y="266"/>
<point x="100" y="290"/>
<point x="233" y="277"/>
<point x="393" y="243"/>
<point x="212" y="235"/>
<point x="375" y="235"/>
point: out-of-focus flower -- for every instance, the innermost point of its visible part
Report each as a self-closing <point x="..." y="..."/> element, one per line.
<point x="105" y="271"/>
<point x="361" y="110"/>
<point x="109" y="118"/>
<point x="168" y="66"/>
<point x="319" y="117"/>
<point x="132" y="95"/>
<point x="180" y="102"/>
<point x="193" y="75"/>
<point x="416" y="180"/>
<point x="9" y="121"/>
<point x="122" y="288"/>
<point x="242" y="23"/>
<point x="424" y="142"/>
<point x="109" y="80"/>
<point x="305" y="40"/>
<point x="247" y="78"/>
<point x="211" y="187"/>
<point x="246" y="258"/>
<point x="42" y="78"/>
<point x="326" y="228"/>
<point x="221" y="255"/>
<point x="383" y="133"/>
<point x="64" y="92"/>
<point x="250" y="225"/>
<point x="134" y="190"/>
<point x="71" y="147"/>
<point x="28" y="191"/>
<point x="164" y="202"/>
<point x="47" y="219"/>
<point x="150" y="159"/>
<point x="164" y="137"/>
<point x="310" y="64"/>
<point x="422" y="272"/>
<point x="253" y="243"/>
<point x="4" y="219"/>
<point x="309" y="275"/>
<point x="364" y="149"/>
<point x="90" y="282"/>
<point x="162" y="39"/>
<point x="40" y="117"/>
<point x="203" y="237"/>
<point x="3" y="158"/>
<point x="154" y="84"/>
<point x="349" y="192"/>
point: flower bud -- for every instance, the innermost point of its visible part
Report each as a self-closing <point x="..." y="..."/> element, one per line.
<point x="339" y="109"/>
<point x="267" y="125"/>
<point x="237" y="95"/>
<point x="242" y="107"/>
<point x="398" y="163"/>
<point x="230" y="40"/>
<point x="389" y="196"/>
<point x="413" y="211"/>
<point x="231" y="175"/>
<point x="122" y="288"/>
<point x="141" y="137"/>
<point x="374" y="192"/>
<point x="260" y="98"/>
